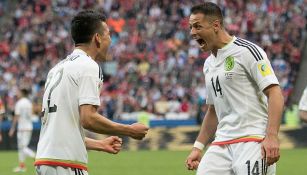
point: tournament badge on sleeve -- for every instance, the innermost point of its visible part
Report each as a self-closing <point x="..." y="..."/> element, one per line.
<point x="264" y="69"/>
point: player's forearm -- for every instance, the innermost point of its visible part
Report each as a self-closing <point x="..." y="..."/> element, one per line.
<point x="208" y="127"/>
<point x="91" y="120"/>
<point x="275" y="108"/>
<point x="99" y="124"/>
<point x="92" y="144"/>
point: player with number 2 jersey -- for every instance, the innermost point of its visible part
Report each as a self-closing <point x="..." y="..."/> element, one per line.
<point x="72" y="82"/>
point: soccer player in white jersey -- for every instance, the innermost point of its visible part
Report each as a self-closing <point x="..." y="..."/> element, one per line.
<point x="303" y="106"/>
<point x="23" y="116"/>
<point x="244" y="100"/>
<point x="71" y="100"/>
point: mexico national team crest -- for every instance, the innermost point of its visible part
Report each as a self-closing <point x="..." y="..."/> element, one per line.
<point x="264" y="69"/>
<point x="229" y="63"/>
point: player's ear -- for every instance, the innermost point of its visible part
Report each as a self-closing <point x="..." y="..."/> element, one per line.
<point x="216" y="25"/>
<point x="97" y="39"/>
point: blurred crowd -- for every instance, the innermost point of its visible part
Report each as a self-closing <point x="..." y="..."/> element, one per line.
<point x="153" y="65"/>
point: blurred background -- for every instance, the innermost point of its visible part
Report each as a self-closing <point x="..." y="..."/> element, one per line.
<point x="153" y="73"/>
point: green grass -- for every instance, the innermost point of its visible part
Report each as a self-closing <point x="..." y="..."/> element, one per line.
<point x="292" y="162"/>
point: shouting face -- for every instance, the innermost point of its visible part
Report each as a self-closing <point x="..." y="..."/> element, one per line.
<point x="203" y="31"/>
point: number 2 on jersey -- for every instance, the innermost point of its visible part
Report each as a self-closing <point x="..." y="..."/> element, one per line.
<point x="58" y="77"/>
<point x="216" y="86"/>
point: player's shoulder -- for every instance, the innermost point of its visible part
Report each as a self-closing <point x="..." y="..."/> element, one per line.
<point x="246" y="43"/>
<point x="249" y="50"/>
<point x="28" y="100"/>
<point x="18" y="102"/>
<point x="87" y="64"/>
<point x="22" y="102"/>
<point x="207" y="63"/>
<point x="82" y="60"/>
<point x="209" y="59"/>
<point x="53" y="69"/>
<point x="79" y="63"/>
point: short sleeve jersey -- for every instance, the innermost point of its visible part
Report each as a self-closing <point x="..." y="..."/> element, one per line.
<point x="303" y="101"/>
<point x="235" y="80"/>
<point x="72" y="82"/>
<point x="23" y="109"/>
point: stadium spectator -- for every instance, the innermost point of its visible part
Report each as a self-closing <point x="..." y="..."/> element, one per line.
<point x="116" y="22"/>
<point x="245" y="102"/>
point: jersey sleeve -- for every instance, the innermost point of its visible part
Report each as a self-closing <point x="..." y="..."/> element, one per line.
<point x="209" y="99"/>
<point x="303" y="101"/>
<point x="259" y="68"/>
<point x="89" y="82"/>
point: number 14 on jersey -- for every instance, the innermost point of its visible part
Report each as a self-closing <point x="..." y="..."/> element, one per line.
<point x="216" y="86"/>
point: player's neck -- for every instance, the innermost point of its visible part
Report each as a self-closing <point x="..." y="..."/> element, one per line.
<point x="87" y="49"/>
<point x="222" y="40"/>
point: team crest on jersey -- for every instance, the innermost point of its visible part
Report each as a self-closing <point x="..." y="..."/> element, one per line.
<point x="229" y="63"/>
<point x="264" y="69"/>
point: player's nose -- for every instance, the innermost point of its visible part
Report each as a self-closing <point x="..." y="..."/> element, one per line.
<point x="192" y="32"/>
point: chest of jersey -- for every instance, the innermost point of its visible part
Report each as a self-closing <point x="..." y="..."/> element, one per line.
<point x="225" y="76"/>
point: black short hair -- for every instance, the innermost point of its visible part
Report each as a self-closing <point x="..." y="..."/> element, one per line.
<point x="85" y="24"/>
<point x="25" y="92"/>
<point x="209" y="9"/>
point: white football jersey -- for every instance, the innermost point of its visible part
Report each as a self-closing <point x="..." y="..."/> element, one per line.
<point x="235" y="81"/>
<point x="303" y="101"/>
<point x="23" y="109"/>
<point x="72" y="82"/>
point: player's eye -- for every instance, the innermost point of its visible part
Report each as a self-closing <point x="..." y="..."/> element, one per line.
<point x="197" y="27"/>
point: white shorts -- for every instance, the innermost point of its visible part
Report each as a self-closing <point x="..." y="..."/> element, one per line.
<point x="58" y="170"/>
<point x="235" y="159"/>
<point x="23" y="138"/>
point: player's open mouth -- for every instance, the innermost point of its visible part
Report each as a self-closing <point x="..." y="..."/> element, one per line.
<point x="201" y="42"/>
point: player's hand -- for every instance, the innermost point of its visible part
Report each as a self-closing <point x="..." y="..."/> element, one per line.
<point x="111" y="144"/>
<point x="139" y="131"/>
<point x="270" y="149"/>
<point x="0" y="137"/>
<point x="193" y="159"/>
